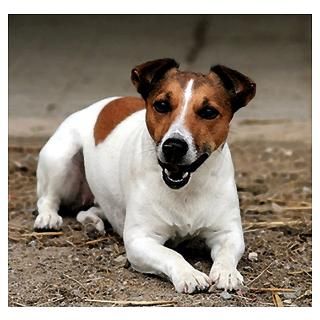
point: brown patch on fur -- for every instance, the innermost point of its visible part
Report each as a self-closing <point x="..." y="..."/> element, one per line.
<point x="171" y="88"/>
<point x="209" y="134"/>
<point x="224" y="89"/>
<point x="114" y="113"/>
<point x="158" y="123"/>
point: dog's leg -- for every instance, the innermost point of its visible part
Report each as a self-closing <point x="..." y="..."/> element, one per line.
<point x="58" y="177"/>
<point x="49" y="184"/>
<point x="227" y="247"/>
<point x="92" y="216"/>
<point x="147" y="255"/>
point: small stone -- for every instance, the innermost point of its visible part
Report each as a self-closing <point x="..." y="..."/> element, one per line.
<point x="287" y="301"/>
<point x="99" y="258"/>
<point x="256" y="209"/>
<point x="120" y="259"/>
<point x="247" y="268"/>
<point x="108" y="249"/>
<point x="306" y="189"/>
<point x="287" y="266"/>
<point x="287" y="152"/>
<point x="290" y="295"/>
<point x="77" y="293"/>
<point x="225" y="295"/>
<point x="27" y="163"/>
<point x="198" y="265"/>
<point x="253" y="256"/>
<point x="276" y="208"/>
<point x="32" y="243"/>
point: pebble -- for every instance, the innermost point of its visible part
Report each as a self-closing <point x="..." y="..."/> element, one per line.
<point x="225" y="295"/>
<point x="306" y="189"/>
<point x="287" y="301"/>
<point x="77" y="293"/>
<point x="253" y="256"/>
<point x="32" y="243"/>
<point x="247" y="268"/>
<point x="99" y="258"/>
<point x="276" y="208"/>
<point x="287" y="152"/>
<point x="120" y="259"/>
<point x="108" y="248"/>
<point x="290" y="295"/>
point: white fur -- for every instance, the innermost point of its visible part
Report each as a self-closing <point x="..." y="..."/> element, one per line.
<point x="186" y="99"/>
<point x="126" y="180"/>
<point x="179" y="131"/>
<point x="94" y="217"/>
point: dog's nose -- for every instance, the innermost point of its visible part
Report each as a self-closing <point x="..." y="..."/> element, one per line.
<point x="174" y="149"/>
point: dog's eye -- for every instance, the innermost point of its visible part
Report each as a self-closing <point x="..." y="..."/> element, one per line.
<point x="162" y="106"/>
<point x="208" y="112"/>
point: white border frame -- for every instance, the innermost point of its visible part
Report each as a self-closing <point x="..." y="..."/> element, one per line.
<point x="161" y="7"/>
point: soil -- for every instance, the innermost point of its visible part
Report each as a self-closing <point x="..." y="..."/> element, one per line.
<point x="77" y="267"/>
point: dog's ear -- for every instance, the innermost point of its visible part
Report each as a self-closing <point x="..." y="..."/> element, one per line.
<point x="145" y="75"/>
<point x="241" y="88"/>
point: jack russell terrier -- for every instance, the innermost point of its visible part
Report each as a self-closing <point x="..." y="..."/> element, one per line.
<point x="156" y="168"/>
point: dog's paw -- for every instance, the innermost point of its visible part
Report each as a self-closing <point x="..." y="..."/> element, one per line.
<point x="190" y="280"/>
<point x="91" y="222"/>
<point x="225" y="277"/>
<point x="50" y="221"/>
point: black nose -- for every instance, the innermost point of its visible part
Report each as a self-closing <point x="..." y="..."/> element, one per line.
<point x="174" y="149"/>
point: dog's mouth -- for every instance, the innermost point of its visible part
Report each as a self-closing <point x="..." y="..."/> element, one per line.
<point x="176" y="176"/>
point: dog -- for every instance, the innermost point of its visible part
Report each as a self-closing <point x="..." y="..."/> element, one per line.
<point x="156" y="168"/>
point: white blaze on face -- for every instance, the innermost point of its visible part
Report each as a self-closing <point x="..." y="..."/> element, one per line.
<point x="178" y="130"/>
<point x="186" y="99"/>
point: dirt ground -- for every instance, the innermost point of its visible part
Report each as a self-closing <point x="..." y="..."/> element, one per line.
<point x="78" y="268"/>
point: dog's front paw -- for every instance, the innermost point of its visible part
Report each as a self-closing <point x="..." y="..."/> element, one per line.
<point x="190" y="280"/>
<point x="50" y="221"/>
<point x="225" y="277"/>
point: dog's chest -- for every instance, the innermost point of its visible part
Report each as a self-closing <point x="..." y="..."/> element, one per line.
<point x="187" y="216"/>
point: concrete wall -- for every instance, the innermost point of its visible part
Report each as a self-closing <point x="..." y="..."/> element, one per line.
<point x="60" y="63"/>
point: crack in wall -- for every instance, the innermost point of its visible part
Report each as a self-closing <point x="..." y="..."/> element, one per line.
<point x="199" y="37"/>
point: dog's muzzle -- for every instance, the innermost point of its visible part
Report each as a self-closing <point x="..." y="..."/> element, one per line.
<point x="176" y="176"/>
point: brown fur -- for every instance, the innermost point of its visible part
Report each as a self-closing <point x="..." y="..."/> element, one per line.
<point x="159" y="123"/>
<point x="114" y="113"/>
<point x="207" y="134"/>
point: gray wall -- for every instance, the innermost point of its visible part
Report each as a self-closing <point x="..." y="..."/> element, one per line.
<point x="60" y="63"/>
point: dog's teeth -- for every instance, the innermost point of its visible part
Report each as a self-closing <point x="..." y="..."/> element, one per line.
<point x="185" y="175"/>
<point x="166" y="171"/>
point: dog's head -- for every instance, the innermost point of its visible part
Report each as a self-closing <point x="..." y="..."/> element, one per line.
<point x="188" y="113"/>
